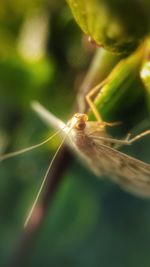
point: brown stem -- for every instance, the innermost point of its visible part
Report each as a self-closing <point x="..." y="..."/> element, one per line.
<point x="28" y="237"/>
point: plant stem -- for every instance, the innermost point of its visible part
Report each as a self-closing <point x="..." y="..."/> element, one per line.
<point x="30" y="233"/>
<point x="102" y="64"/>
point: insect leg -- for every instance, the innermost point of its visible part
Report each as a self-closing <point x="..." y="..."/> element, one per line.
<point x="110" y="124"/>
<point x="112" y="140"/>
<point x="90" y="102"/>
<point x="139" y="136"/>
<point x="126" y="141"/>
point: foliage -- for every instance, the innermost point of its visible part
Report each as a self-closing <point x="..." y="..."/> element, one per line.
<point x="111" y="23"/>
<point x="44" y="56"/>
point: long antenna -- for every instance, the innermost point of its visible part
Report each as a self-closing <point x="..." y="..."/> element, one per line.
<point x="44" y="180"/>
<point x="24" y="150"/>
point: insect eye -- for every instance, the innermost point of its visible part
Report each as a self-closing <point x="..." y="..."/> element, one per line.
<point x="80" y="125"/>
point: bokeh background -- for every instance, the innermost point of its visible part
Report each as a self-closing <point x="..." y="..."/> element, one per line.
<point x="44" y="56"/>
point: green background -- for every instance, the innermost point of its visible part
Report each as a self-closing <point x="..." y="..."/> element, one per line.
<point x="91" y="222"/>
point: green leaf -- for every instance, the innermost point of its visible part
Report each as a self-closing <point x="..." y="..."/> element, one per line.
<point x="145" y="76"/>
<point x="119" y="26"/>
<point x="123" y="87"/>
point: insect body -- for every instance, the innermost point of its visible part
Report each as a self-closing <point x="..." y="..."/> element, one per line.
<point x="96" y="149"/>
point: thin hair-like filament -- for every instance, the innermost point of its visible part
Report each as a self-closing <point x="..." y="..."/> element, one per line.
<point x="24" y="150"/>
<point x="44" y="180"/>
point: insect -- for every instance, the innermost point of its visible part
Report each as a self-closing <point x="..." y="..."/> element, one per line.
<point x="97" y="150"/>
<point x="92" y="144"/>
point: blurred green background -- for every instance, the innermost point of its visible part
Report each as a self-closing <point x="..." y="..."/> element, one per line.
<point x="44" y="56"/>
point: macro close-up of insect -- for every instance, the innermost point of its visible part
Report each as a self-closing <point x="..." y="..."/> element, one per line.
<point x="75" y="133"/>
<point x="96" y="149"/>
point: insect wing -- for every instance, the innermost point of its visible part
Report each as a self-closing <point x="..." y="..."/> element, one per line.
<point x="130" y="173"/>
